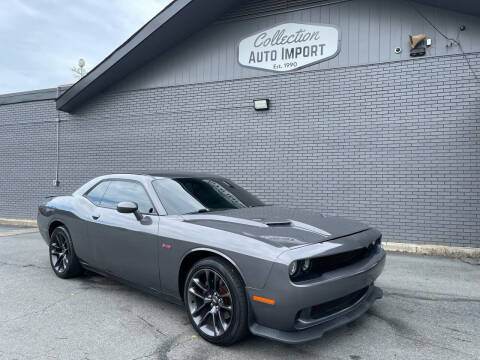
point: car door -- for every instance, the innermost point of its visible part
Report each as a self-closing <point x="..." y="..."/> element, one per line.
<point x="91" y="209"/>
<point x="124" y="246"/>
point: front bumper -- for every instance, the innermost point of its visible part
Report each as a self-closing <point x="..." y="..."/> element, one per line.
<point x="284" y="321"/>
<point x="317" y="331"/>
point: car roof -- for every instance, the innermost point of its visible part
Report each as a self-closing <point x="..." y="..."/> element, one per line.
<point x="180" y="174"/>
<point x="136" y="175"/>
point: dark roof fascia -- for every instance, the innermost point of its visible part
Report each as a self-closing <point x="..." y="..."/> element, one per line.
<point x="469" y="7"/>
<point x="28" y="96"/>
<point x="172" y="25"/>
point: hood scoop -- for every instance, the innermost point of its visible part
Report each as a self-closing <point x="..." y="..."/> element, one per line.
<point x="275" y="222"/>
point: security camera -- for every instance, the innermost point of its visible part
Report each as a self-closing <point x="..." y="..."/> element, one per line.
<point x="397" y="50"/>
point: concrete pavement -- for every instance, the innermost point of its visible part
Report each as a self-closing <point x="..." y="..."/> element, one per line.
<point x="431" y="310"/>
<point x="9" y="230"/>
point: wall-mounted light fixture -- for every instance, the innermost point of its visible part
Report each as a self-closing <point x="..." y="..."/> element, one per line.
<point x="262" y="104"/>
<point x="416" y="45"/>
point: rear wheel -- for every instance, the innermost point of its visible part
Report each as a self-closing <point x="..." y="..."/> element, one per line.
<point x="63" y="260"/>
<point x="215" y="301"/>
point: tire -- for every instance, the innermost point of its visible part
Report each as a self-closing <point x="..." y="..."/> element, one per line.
<point x="63" y="260"/>
<point x="213" y="285"/>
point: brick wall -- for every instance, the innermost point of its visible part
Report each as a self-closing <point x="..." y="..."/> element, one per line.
<point x="395" y="145"/>
<point x="27" y="156"/>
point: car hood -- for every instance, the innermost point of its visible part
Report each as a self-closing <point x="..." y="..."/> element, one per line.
<point x="280" y="227"/>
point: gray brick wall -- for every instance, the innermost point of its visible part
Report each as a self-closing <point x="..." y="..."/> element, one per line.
<point x="395" y="145"/>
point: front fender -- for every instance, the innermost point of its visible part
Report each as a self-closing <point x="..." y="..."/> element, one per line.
<point x="252" y="259"/>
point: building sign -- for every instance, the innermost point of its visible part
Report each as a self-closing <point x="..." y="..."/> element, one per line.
<point x="289" y="46"/>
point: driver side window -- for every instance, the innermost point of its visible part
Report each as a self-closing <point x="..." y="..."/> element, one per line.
<point x="95" y="195"/>
<point x="120" y="190"/>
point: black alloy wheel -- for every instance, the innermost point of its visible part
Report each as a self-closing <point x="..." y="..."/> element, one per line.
<point x="215" y="301"/>
<point x="63" y="260"/>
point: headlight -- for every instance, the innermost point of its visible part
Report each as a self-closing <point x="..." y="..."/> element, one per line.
<point x="306" y="265"/>
<point x="299" y="267"/>
<point x="293" y="268"/>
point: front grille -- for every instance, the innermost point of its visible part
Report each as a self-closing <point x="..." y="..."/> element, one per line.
<point x="324" y="264"/>
<point x="333" y="262"/>
<point x="334" y="306"/>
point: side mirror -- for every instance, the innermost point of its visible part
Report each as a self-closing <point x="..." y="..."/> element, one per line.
<point x="129" y="207"/>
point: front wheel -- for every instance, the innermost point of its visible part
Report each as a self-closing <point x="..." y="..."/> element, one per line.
<point x="215" y="301"/>
<point x="63" y="260"/>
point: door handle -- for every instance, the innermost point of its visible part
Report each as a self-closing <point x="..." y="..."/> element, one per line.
<point x="95" y="217"/>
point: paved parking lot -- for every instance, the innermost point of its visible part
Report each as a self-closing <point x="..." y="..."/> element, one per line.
<point x="431" y="310"/>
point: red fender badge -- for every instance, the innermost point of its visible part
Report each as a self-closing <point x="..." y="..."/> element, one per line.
<point x="166" y="246"/>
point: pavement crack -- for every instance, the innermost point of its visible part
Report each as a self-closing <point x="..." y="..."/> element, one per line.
<point x="462" y="332"/>
<point x="403" y="330"/>
<point x="430" y="298"/>
<point x="471" y="261"/>
<point x="146" y="355"/>
<point x="36" y="312"/>
<point x="4" y="263"/>
<point x="42" y="310"/>
<point x="399" y="326"/>
<point x="151" y="326"/>
<point x="167" y="346"/>
<point x="460" y="339"/>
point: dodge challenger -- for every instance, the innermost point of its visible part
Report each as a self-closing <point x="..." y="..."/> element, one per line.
<point x="236" y="264"/>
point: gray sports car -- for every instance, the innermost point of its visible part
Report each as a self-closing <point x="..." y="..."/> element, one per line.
<point x="235" y="263"/>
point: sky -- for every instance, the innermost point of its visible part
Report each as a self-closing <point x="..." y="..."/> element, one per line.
<point x="41" y="40"/>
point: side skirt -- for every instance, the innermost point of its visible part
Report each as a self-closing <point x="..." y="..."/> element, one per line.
<point x="167" y="297"/>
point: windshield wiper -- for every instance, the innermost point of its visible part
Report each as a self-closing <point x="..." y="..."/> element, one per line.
<point x="200" y="211"/>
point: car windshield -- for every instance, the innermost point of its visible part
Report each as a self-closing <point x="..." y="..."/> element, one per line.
<point x="182" y="196"/>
